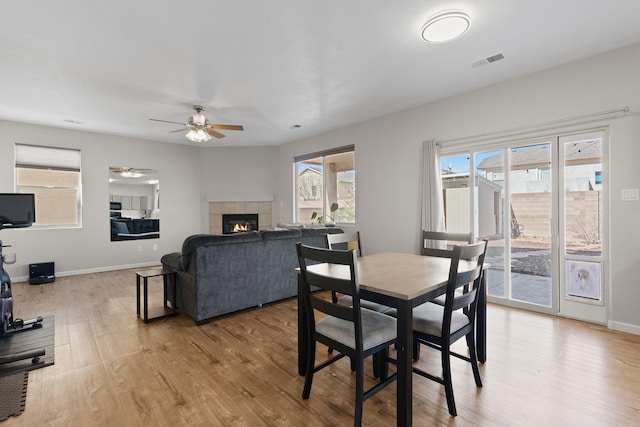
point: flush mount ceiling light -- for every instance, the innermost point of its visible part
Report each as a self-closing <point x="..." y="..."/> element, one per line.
<point x="445" y="26"/>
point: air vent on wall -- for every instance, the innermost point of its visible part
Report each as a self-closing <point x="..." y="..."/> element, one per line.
<point x="487" y="60"/>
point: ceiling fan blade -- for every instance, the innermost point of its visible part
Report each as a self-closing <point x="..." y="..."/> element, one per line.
<point x="179" y="130"/>
<point x="167" y="121"/>
<point x="214" y="133"/>
<point x="226" y="127"/>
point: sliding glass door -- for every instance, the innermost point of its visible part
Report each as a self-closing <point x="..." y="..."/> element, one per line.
<point x="582" y="226"/>
<point x="541" y="205"/>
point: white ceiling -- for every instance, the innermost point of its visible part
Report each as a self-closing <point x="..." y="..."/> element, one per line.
<point x="110" y="66"/>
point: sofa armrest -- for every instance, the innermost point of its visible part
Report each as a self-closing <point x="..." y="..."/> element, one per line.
<point x="172" y="261"/>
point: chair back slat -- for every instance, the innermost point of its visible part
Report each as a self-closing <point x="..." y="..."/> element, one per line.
<point x="345" y="241"/>
<point x="340" y="311"/>
<point x="330" y="283"/>
<point x="434" y="243"/>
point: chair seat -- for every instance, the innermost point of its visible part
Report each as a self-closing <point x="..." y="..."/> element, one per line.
<point x="427" y="318"/>
<point x="377" y="329"/>
<point x="373" y="306"/>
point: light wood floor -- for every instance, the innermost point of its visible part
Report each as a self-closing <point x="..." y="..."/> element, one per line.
<point x="111" y="369"/>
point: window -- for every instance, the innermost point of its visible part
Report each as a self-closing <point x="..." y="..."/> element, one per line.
<point x="53" y="175"/>
<point x="323" y="179"/>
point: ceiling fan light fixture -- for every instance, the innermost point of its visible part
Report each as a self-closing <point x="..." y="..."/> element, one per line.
<point x="445" y="26"/>
<point x="199" y="119"/>
<point x="130" y="174"/>
<point x="197" y="135"/>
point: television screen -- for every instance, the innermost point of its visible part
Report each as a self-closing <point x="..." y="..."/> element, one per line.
<point x="17" y="210"/>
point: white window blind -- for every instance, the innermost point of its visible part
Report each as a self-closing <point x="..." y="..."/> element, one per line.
<point x="33" y="156"/>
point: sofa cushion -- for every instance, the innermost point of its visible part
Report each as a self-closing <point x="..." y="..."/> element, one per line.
<point x="121" y="227"/>
<point x="197" y="240"/>
<point x="280" y="234"/>
<point x="313" y="232"/>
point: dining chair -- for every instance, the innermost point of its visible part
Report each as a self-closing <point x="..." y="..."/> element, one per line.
<point x="351" y="241"/>
<point x="351" y="330"/>
<point x="347" y="241"/>
<point x="440" y="326"/>
<point x="435" y="243"/>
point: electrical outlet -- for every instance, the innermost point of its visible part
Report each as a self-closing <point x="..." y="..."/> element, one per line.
<point x="139" y="248"/>
<point x="630" y="194"/>
<point x="155" y="247"/>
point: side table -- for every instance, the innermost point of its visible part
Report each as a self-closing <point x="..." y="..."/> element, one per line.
<point x="168" y="279"/>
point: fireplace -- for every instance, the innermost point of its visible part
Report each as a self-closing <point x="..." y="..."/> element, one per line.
<point x="238" y="223"/>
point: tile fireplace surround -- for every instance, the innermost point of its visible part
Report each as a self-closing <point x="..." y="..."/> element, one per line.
<point x="216" y="209"/>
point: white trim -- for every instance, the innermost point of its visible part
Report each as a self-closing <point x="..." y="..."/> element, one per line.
<point x="20" y="279"/>
<point x="624" y="327"/>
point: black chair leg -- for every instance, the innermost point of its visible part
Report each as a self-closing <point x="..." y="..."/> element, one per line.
<point x="448" y="385"/>
<point x="416" y="349"/>
<point x="471" y="343"/>
<point x="376" y="365"/>
<point x="311" y="360"/>
<point x="357" y="418"/>
<point x="383" y="364"/>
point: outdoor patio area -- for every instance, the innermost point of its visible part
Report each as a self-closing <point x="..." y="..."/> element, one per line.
<point x="530" y="274"/>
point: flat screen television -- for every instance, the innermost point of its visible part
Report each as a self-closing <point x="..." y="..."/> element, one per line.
<point x="17" y="210"/>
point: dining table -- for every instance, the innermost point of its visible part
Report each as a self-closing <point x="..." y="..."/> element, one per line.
<point x="402" y="281"/>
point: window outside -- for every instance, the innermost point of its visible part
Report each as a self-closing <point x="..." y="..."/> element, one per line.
<point x="53" y="176"/>
<point x="324" y="180"/>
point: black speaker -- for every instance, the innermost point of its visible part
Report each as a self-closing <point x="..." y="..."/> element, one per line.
<point x="43" y="272"/>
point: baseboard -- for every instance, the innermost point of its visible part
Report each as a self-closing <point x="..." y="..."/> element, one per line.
<point x="93" y="270"/>
<point x="624" y="327"/>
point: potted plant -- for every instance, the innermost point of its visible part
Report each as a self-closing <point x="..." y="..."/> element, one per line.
<point x="317" y="219"/>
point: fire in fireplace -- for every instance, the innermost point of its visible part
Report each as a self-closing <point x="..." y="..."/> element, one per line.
<point x="238" y="223"/>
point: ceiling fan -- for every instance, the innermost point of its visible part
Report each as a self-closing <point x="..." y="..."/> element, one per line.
<point x="199" y="128"/>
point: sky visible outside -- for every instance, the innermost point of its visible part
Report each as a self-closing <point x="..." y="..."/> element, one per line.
<point x="460" y="164"/>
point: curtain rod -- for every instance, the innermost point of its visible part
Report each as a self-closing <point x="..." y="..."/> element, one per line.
<point x="519" y="130"/>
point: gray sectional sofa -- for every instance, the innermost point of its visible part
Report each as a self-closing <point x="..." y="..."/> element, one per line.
<point x="220" y="274"/>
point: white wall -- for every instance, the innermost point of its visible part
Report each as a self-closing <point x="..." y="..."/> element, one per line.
<point x="89" y="248"/>
<point x="388" y="164"/>
<point x="236" y="174"/>
<point x="388" y="153"/>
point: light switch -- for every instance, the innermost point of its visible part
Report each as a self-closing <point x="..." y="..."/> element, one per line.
<point x="630" y="194"/>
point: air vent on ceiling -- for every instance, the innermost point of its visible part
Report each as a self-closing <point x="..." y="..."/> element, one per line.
<point x="487" y="60"/>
